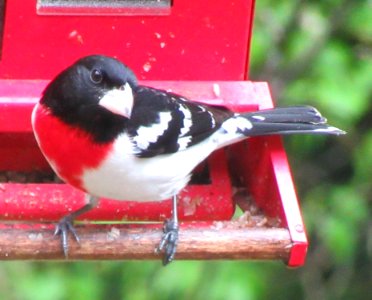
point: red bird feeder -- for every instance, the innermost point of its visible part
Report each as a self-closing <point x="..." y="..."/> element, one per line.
<point x="197" y="49"/>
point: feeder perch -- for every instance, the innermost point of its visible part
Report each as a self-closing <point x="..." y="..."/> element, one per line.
<point x="193" y="48"/>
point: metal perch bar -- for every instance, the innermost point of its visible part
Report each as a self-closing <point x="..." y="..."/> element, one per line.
<point x="202" y="240"/>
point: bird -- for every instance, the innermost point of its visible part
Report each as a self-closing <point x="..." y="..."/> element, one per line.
<point x="104" y="133"/>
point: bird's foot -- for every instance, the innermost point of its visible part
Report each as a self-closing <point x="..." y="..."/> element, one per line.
<point x="169" y="241"/>
<point x="63" y="227"/>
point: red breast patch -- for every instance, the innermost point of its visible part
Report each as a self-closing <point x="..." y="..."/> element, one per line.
<point x="69" y="149"/>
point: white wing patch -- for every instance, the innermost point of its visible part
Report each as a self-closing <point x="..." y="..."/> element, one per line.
<point x="259" y="118"/>
<point x="202" y="108"/>
<point x="187" y="121"/>
<point x="213" y="121"/>
<point x="183" y="142"/>
<point x="233" y="124"/>
<point x="150" y="134"/>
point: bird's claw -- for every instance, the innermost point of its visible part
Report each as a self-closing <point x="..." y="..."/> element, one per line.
<point x="169" y="241"/>
<point x="64" y="226"/>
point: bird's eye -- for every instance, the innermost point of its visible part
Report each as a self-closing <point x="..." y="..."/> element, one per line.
<point x="96" y="76"/>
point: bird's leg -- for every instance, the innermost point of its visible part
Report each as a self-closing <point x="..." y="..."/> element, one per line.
<point x="169" y="240"/>
<point x="66" y="225"/>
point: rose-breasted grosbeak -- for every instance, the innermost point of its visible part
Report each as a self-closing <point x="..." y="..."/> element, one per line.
<point x="107" y="135"/>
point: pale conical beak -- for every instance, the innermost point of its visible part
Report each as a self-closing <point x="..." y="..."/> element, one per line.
<point x="119" y="101"/>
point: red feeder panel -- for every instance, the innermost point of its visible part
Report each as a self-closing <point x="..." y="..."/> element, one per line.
<point x="177" y="40"/>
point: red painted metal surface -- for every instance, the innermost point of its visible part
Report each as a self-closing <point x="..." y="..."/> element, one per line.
<point x="196" y="40"/>
<point x="50" y="202"/>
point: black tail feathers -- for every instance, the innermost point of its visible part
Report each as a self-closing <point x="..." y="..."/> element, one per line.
<point x="288" y="120"/>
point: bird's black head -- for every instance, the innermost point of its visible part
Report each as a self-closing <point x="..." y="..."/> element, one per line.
<point x="95" y="93"/>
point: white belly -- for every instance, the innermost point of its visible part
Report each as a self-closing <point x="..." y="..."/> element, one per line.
<point x="123" y="176"/>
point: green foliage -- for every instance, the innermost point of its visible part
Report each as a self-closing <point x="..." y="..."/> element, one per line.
<point x="359" y="23"/>
<point x="134" y="280"/>
<point x="336" y="80"/>
<point x="363" y="162"/>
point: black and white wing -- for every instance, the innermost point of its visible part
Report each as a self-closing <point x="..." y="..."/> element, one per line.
<point x="162" y="122"/>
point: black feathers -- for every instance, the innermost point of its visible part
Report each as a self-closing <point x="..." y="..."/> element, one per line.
<point x="164" y="122"/>
<point x="288" y="120"/>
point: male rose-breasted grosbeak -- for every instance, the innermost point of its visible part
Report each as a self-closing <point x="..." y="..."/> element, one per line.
<point x="105" y="134"/>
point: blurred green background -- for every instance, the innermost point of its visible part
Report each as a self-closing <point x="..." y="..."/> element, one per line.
<point x="312" y="52"/>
